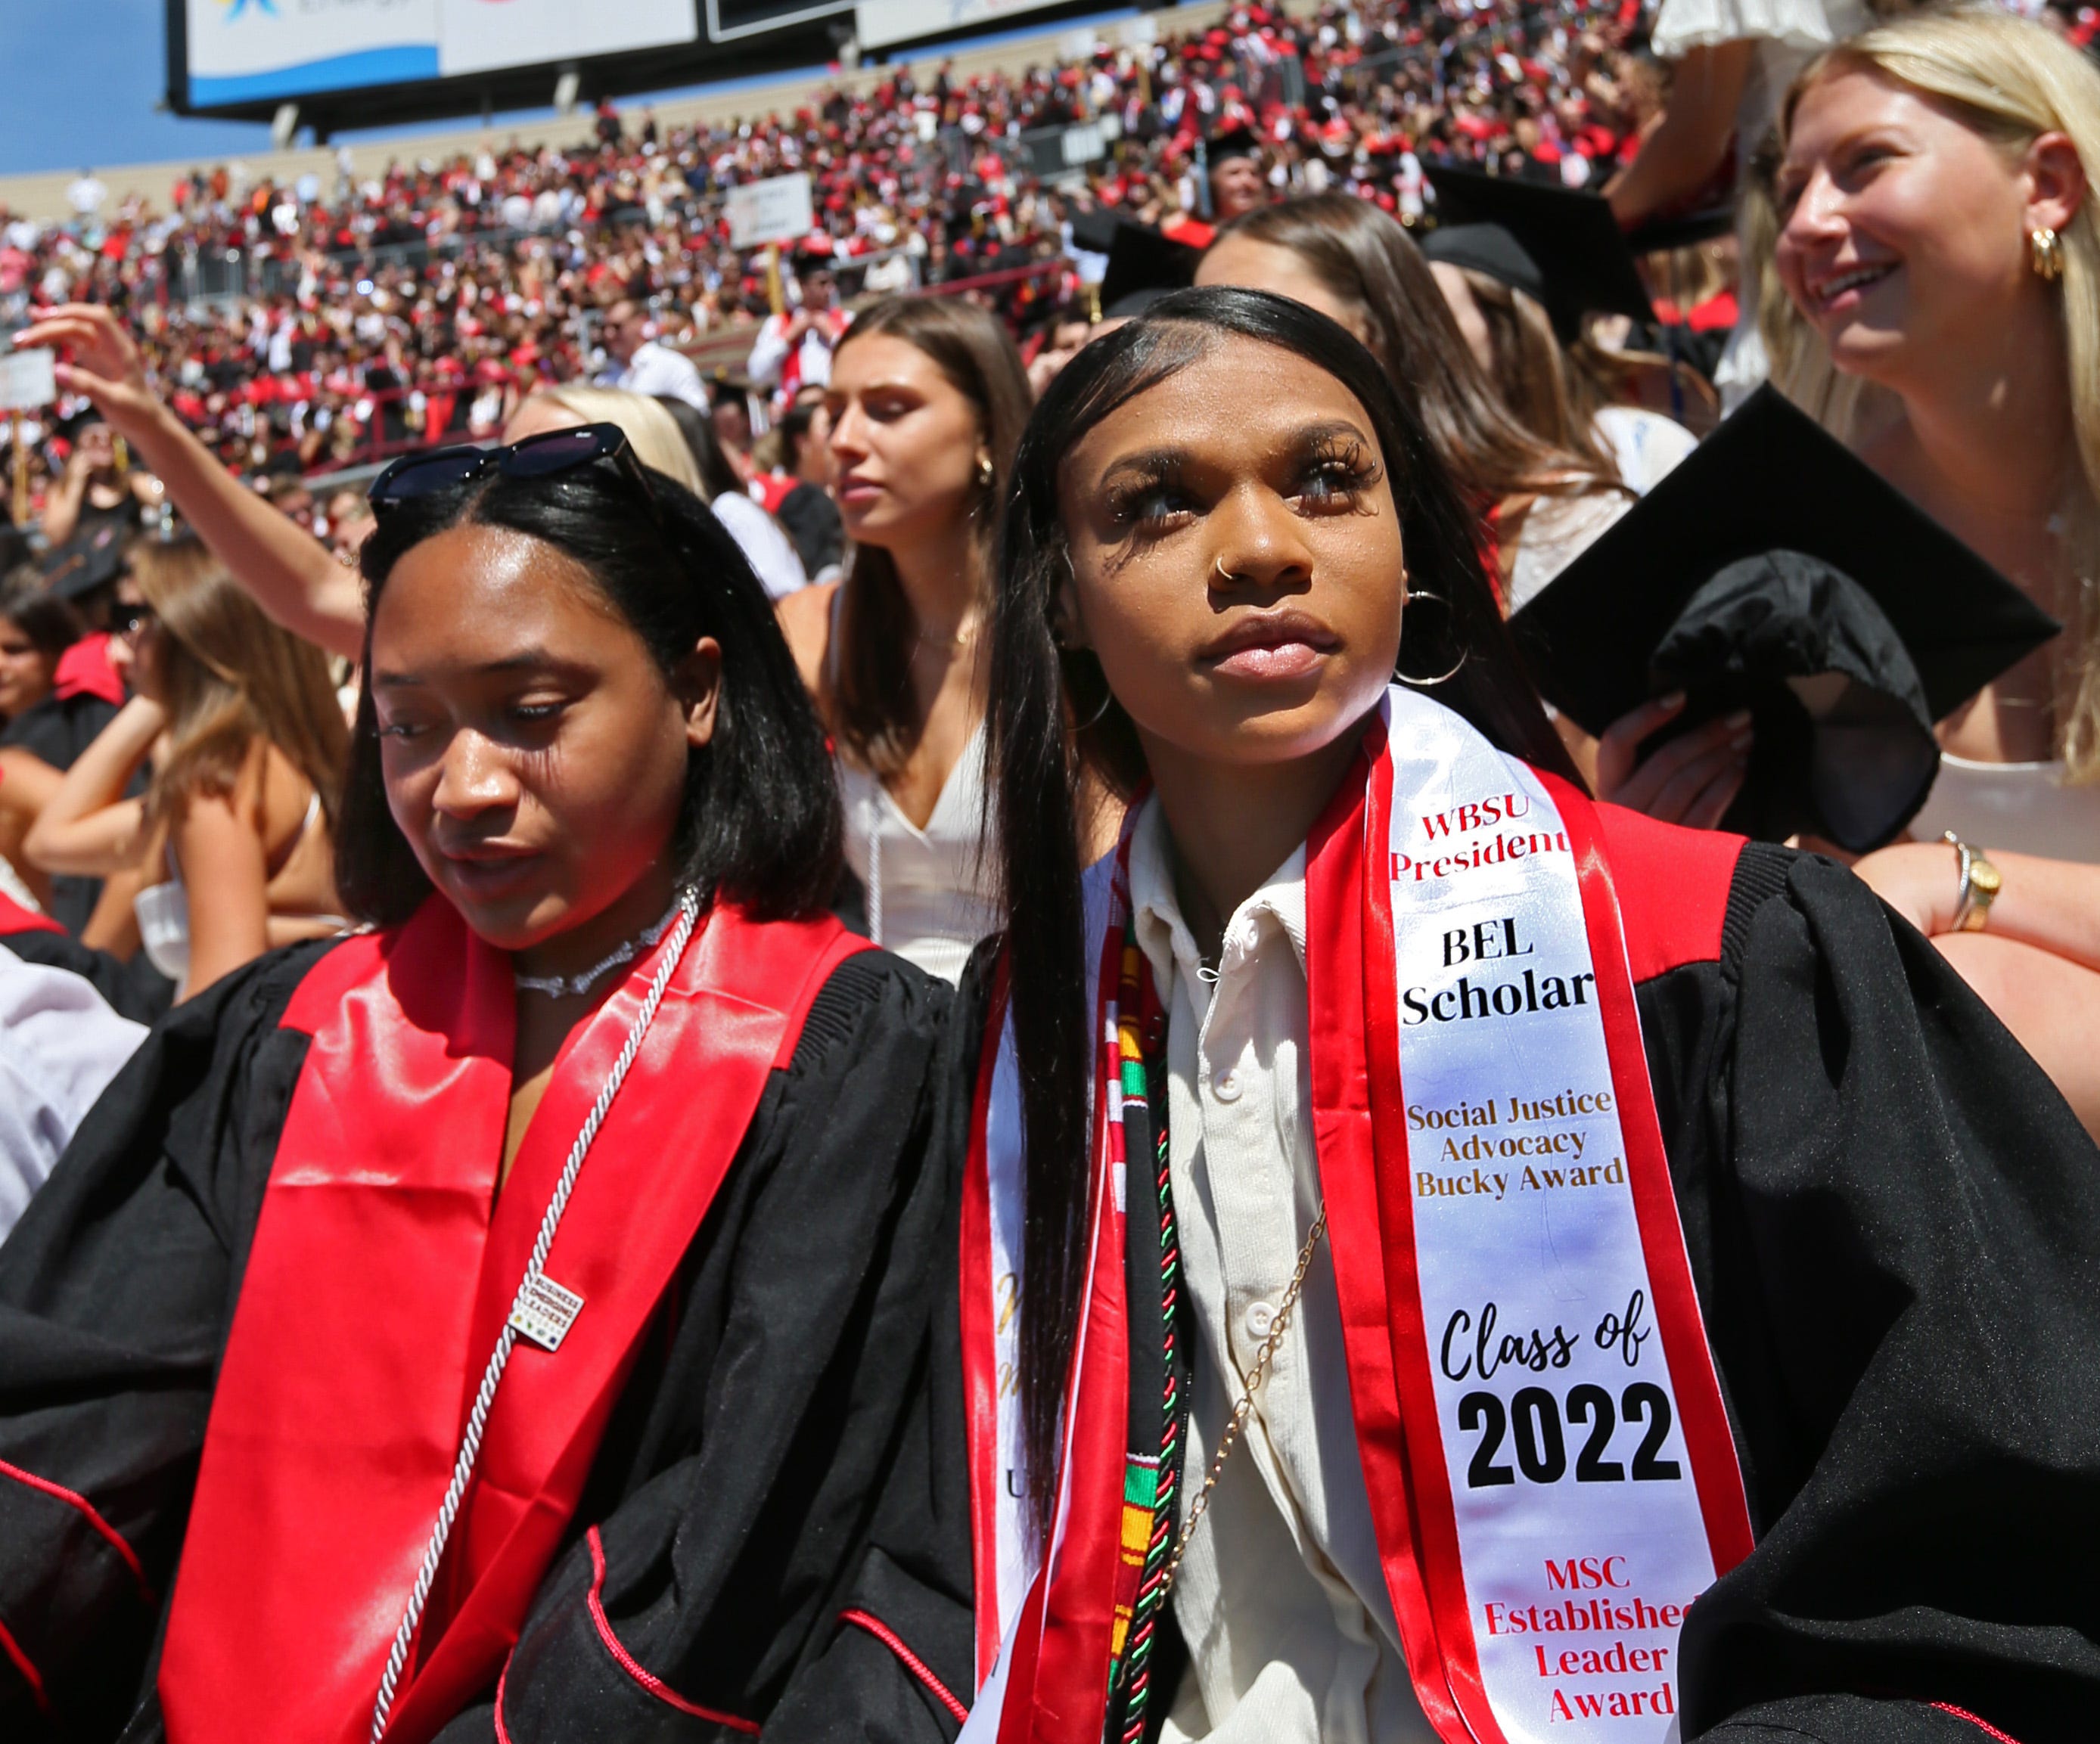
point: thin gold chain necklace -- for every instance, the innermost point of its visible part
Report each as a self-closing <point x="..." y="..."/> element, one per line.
<point x="1245" y="1408"/>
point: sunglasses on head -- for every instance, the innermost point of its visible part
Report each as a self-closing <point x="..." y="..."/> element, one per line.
<point x="546" y="456"/>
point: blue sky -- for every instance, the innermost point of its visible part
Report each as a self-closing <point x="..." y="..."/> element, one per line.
<point x="82" y="78"/>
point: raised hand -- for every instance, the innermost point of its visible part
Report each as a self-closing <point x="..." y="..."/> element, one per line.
<point x="98" y="359"/>
<point x="1692" y="780"/>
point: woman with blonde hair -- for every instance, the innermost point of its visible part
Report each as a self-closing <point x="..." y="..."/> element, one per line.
<point x="1941" y="266"/>
<point x="654" y="434"/>
<point x="662" y="443"/>
<point x="248" y="746"/>
<point x="758" y="535"/>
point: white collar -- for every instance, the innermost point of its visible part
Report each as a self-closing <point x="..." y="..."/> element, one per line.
<point x="1164" y="935"/>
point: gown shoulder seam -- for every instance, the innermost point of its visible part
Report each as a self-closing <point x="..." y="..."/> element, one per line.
<point x="1761" y="872"/>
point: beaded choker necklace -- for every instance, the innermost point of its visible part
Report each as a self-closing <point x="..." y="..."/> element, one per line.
<point x="576" y="986"/>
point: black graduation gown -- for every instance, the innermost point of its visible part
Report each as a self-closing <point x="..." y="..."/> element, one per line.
<point x="1894" y="1225"/>
<point x="735" y="1477"/>
<point x="56" y="730"/>
<point x="134" y="989"/>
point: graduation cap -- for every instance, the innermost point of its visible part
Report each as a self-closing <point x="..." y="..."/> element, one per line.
<point x="1234" y="142"/>
<point x="1144" y="266"/>
<point x="88" y="561"/>
<point x="71" y="426"/>
<point x="1569" y="235"/>
<point x="1775" y="571"/>
<point x="1096" y="231"/>
<point x="1488" y="248"/>
<point x="1660" y="235"/>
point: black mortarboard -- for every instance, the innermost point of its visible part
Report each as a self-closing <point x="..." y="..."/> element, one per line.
<point x="71" y="426"/>
<point x="1143" y="263"/>
<point x="1570" y="235"/>
<point x="1687" y="230"/>
<point x="1096" y="231"/>
<point x="1488" y="248"/>
<point x="1234" y="142"/>
<point x="1773" y="570"/>
<point x="88" y="561"/>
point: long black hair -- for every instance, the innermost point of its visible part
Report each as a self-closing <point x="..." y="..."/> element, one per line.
<point x="760" y="823"/>
<point x="50" y="623"/>
<point x="1038" y="691"/>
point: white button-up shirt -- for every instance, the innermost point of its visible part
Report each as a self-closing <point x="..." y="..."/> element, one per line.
<point x="59" y="1046"/>
<point x="656" y="369"/>
<point x="1281" y="1598"/>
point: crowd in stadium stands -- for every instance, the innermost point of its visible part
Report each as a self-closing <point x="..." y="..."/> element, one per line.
<point x="303" y="326"/>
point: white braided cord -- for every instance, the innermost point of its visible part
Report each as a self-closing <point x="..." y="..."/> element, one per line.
<point x="470" y="1450"/>
<point x="875" y="867"/>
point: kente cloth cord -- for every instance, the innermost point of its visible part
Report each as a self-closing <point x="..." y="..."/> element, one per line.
<point x="1135" y="1669"/>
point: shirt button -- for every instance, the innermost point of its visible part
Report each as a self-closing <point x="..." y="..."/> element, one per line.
<point x="1260" y="1319"/>
<point x="1225" y="1086"/>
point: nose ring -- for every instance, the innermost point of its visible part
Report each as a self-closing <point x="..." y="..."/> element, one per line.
<point x="1224" y="574"/>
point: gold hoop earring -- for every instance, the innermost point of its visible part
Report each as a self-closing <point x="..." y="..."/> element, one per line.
<point x="1065" y="685"/>
<point x="1428" y="684"/>
<point x="1108" y="697"/>
<point x="986" y="471"/>
<point x="2045" y="255"/>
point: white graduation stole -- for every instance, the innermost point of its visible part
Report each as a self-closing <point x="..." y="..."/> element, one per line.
<point x="1585" y="1468"/>
<point x="1565" y="1448"/>
<point x="1006" y="1555"/>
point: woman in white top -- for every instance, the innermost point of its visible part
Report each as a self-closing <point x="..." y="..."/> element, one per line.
<point x="1942" y="267"/>
<point x="237" y="829"/>
<point x="761" y="538"/>
<point x="1551" y="391"/>
<point x="927" y="399"/>
<point x="657" y="427"/>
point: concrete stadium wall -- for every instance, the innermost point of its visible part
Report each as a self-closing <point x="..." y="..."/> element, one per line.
<point x="43" y="196"/>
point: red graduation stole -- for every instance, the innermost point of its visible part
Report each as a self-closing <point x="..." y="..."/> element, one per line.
<point x="14" y="917"/>
<point x="383" y="1267"/>
<point x="1551" y="1475"/>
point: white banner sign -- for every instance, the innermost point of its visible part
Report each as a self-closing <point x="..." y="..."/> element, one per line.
<point x="879" y="23"/>
<point x="26" y="380"/>
<point x="775" y="210"/>
<point x="479" y="36"/>
<point x="261" y="50"/>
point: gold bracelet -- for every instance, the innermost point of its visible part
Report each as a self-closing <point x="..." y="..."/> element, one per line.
<point x="1981" y="882"/>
